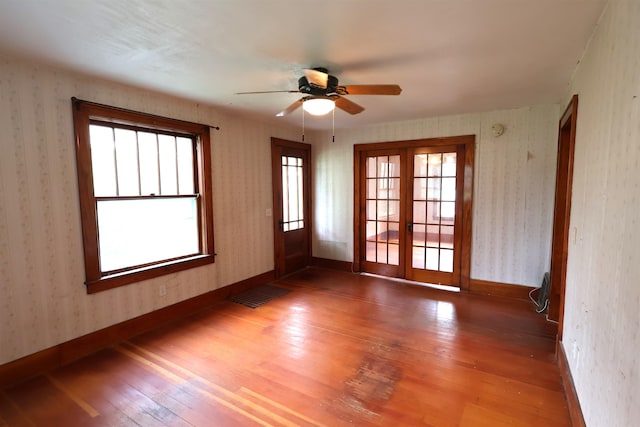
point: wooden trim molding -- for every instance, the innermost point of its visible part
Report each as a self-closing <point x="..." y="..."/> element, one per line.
<point x="575" y="411"/>
<point x="66" y="352"/>
<point x="331" y="264"/>
<point x="508" y="290"/>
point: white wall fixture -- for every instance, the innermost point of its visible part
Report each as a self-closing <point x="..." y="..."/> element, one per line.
<point x="497" y="129"/>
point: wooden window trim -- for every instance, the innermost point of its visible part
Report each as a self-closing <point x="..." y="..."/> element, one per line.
<point x="83" y="113"/>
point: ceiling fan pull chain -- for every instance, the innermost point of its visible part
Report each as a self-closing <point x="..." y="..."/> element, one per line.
<point x="303" y="124"/>
<point x="333" y="125"/>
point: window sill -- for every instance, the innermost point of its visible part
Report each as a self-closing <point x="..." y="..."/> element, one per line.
<point x="133" y="276"/>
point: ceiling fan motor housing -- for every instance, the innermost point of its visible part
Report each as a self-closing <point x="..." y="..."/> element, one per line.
<point x="305" y="87"/>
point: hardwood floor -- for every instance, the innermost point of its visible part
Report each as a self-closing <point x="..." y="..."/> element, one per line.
<point x="340" y="349"/>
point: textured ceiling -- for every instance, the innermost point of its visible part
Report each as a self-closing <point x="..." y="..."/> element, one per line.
<point x="449" y="57"/>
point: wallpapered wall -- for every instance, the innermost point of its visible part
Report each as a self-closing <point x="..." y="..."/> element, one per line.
<point x="43" y="300"/>
<point x="514" y="181"/>
<point x="602" y="312"/>
<point x="42" y="297"/>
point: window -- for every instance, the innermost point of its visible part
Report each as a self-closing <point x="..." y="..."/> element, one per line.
<point x="145" y="194"/>
<point x="292" y="196"/>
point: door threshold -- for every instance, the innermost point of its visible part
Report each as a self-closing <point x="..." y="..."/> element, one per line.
<point x="414" y="283"/>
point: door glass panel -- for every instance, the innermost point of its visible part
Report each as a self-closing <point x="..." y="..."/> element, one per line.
<point x="417" y="260"/>
<point x="432" y="259"/>
<point x="419" y="212"/>
<point x="446" y="260"/>
<point x="446" y="236"/>
<point x="419" y="235"/>
<point x="383" y="209"/>
<point x="394" y="254"/>
<point x="371" y="252"/>
<point x="434" y="195"/>
<point x="292" y="193"/>
<point x="435" y="163"/>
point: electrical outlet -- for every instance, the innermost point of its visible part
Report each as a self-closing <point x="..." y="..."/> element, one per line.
<point x="162" y="290"/>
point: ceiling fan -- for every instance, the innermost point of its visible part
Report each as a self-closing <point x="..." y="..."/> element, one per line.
<point x="323" y="92"/>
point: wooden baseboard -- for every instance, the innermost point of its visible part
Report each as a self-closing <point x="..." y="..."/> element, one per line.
<point x="331" y="264"/>
<point x="575" y="412"/>
<point x="66" y="352"/>
<point x="485" y="287"/>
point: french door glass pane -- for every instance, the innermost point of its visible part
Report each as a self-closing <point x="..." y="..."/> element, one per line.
<point x="138" y="232"/>
<point x="434" y="195"/>
<point x="383" y="209"/>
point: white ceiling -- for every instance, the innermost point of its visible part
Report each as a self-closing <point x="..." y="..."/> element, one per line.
<point x="449" y="56"/>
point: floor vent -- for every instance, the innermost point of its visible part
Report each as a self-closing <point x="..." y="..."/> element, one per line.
<point x="256" y="297"/>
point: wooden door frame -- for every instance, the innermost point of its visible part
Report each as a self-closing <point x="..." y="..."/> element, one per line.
<point x="562" y="212"/>
<point x="278" y="250"/>
<point x="466" y="222"/>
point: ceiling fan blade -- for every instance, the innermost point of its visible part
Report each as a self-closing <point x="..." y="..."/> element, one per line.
<point x="268" y="91"/>
<point x="290" y="108"/>
<point x="370" y="90"/>
<point x="316" y="78"/>
<point x="348" y="106"/>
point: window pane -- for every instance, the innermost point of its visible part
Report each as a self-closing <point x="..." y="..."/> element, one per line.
<point x="127" y="162"/>
<point x="433" y="188"/>
<point x="419" y="235"/>
<point x="371" y="230"/>
<point x="446" y="260"/>
<point x="394" y="188"/>
<point x="419" y="189"/>
<point x="371" y="251"/>
<point x="433" y="236"/>
<point x="433" y="212"/>
<point x="168" y="165"/>
<point x="449" y="164"/>
<point x="449" y="189"/>
<point x="432" y="259"/>
<point x="394" y="254"/>
<point x="420" y="165"/>
<point x="371" y="167"/>
<point x="382" y="231"/>
<point x="371" y="209"/>
<point x="394" y="166"/>
<point x="448" y="212"/>
<point x="136" y="232"/>
<point x="393" y="231"/>
<point x="446" y="238"/>
<point x="148" y="153"/>
<point x="292" y="193"/>
<point x="103" y="161"/>
<point x="419" y="212"/>
<point x="434" y="164"/>
<point x="417" y="259"/>
<point x="185" y="165"/>
<point x="382" y="253"/>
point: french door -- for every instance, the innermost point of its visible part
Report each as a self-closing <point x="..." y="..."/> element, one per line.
<point x="413" y="209"/>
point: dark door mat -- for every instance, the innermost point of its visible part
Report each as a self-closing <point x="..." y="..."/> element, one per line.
<point x="256" y="297"/>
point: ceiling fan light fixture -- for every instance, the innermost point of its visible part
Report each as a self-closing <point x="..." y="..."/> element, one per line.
<point x="319" y="106"/>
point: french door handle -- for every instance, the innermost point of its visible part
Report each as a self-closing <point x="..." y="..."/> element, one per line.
<point x="410" y="227"/>
<point x="281" y="224"/>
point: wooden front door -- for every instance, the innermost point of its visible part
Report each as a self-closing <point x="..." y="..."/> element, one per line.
<point x="413" y="209"/>
<point x="291" y="205"/>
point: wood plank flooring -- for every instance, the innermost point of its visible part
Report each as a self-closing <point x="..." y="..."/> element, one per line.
<point x="339" y="350"/>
